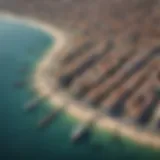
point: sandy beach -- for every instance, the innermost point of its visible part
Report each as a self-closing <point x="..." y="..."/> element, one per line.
<point x="60" y="98"/>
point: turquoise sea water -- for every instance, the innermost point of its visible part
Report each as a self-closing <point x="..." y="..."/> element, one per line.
<point x="22" y="46"/>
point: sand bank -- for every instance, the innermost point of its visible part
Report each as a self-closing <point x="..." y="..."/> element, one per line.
<point x="42" y="84"/>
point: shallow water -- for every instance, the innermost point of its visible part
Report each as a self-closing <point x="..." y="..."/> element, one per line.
<point x="22" y="46"/>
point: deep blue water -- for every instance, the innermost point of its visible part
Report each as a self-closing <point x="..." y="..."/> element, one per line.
<point x="22" y="46"/>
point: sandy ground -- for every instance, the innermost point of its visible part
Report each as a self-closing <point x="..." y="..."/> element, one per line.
<point x="61" y="98"/>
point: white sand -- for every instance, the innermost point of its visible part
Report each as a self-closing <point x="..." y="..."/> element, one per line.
<point x="59" y="98"/>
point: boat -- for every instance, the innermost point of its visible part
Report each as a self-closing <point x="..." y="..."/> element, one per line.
<point x="32" y="104"/>
<point x="49" y="118"/>
<point x="23" y="70"/>
<point x="19" y="84"/>
<point x="80" y="133"/>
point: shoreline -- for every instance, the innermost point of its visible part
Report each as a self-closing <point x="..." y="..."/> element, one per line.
<point x="61" y="98"/>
